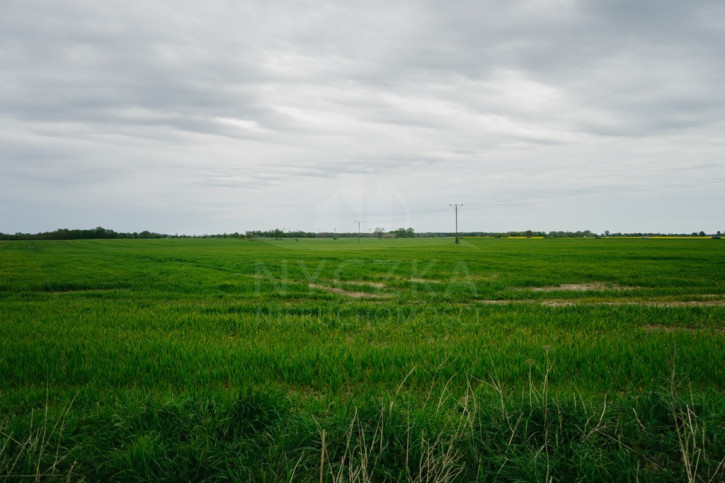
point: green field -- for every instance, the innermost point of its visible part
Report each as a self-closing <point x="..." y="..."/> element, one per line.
<point x="385" y="360"/>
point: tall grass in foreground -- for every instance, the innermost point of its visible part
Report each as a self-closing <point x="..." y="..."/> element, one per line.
<point x="481" y="433"/>
<point x="38" y="452"/>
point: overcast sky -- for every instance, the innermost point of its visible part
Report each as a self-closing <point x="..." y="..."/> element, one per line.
<point x="222" y="116"/>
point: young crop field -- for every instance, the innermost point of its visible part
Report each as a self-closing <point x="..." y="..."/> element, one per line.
<point x="380" y="360"/>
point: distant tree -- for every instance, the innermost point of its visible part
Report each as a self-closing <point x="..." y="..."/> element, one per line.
<point x="403" y="233"/>
<point x="379" y="232"/>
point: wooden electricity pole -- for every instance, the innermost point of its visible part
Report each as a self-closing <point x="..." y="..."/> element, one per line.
<point x="456" y="205"/>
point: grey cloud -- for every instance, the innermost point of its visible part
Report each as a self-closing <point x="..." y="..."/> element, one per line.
<point x="227" y="100"/>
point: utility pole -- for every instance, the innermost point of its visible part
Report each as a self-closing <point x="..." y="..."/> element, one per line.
<point x="358" y="230"/>
<point x="456" y="205"/>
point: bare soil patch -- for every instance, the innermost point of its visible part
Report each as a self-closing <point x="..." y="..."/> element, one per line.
<point x="671" y="328"/>
<point x="646" y="303"/>
<point x="363" y="283"/>
<point x="690" y="303"/>
<point x="557" y="303"/>
<point x="664" y="328"/>
<point x="347" y="293"/>
<point x="257" y="276"/>
<point x="578" y="287"/>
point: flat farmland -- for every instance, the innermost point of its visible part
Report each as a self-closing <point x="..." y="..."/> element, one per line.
<point x="378" y="360"/>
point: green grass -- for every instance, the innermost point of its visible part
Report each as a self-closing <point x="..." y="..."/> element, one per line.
<point x="413" y="359"/>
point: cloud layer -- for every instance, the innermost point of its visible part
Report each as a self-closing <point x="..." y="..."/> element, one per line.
<point x="188" y="117"/>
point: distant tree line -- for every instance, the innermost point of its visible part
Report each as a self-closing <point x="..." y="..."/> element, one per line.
<point x="276" y="233"/>
<point x="66" y="234"/>
<point x="378" y="233"/>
